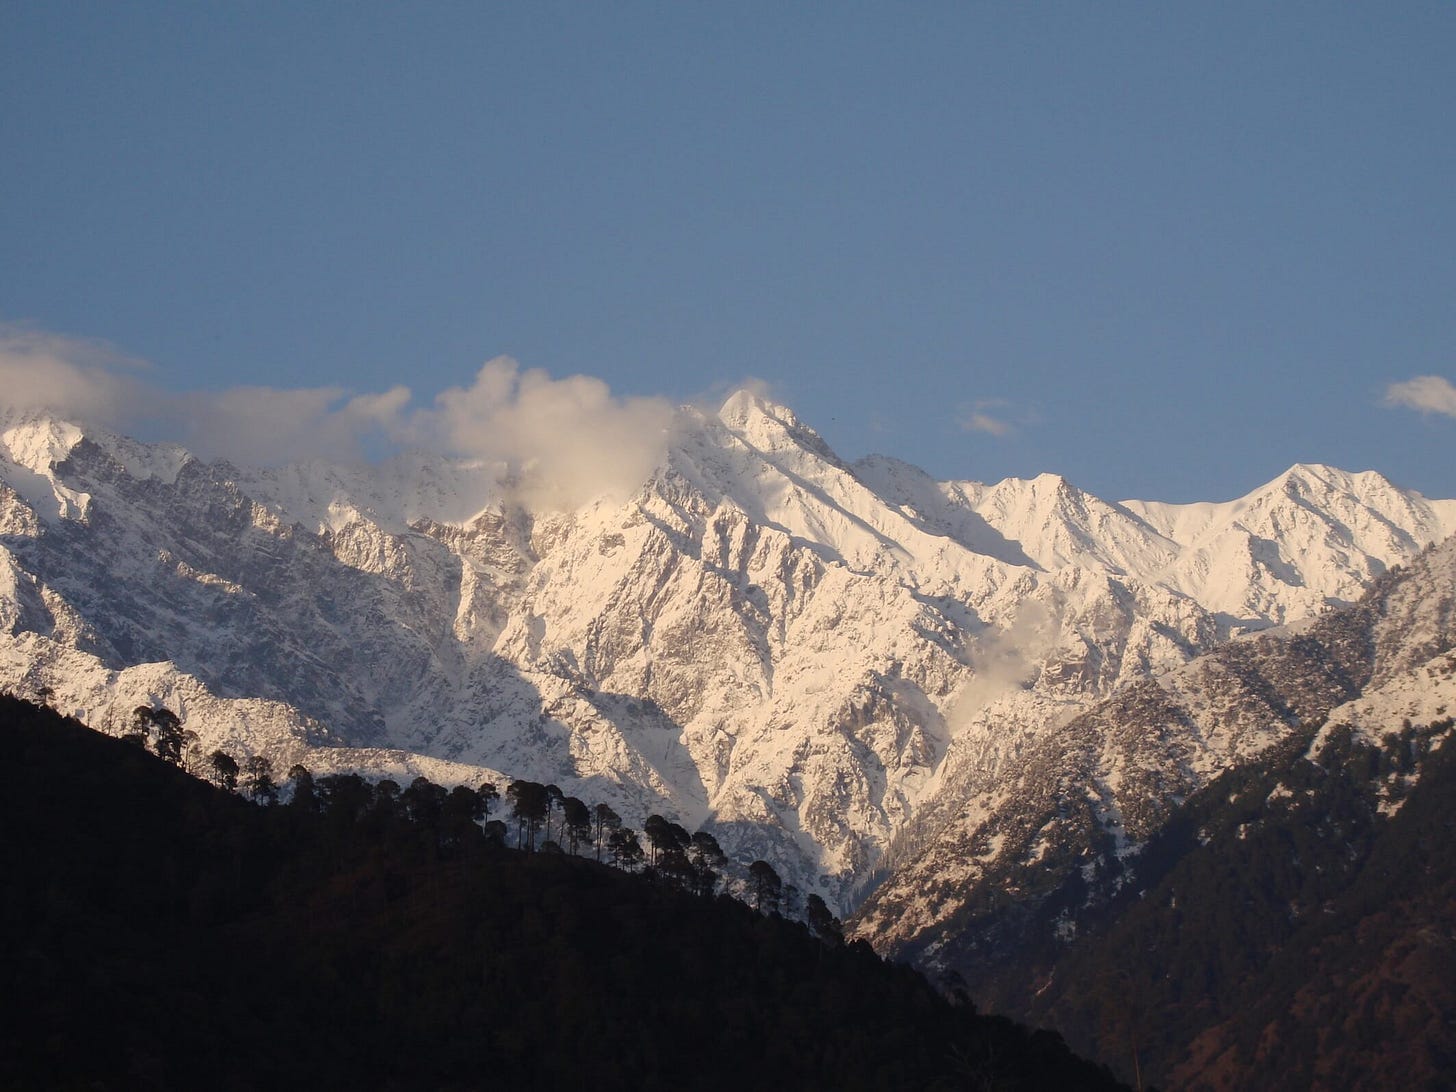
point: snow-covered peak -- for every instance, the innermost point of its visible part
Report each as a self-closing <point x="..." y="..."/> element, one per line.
<point x="1312" y="536"/>
<point x="771" y="427"/>
<point x="37" y="442"/>
<point x="745" y="406"/>
<point x="31" y="446"/>
<point x="1060" y="525"/>
<point x="1304" y="484"/>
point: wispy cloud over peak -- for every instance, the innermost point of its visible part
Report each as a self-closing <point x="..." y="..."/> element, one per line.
<point x="568" y="440"/>
<point x="562" y="441"/>
<point x="82" y="378"/>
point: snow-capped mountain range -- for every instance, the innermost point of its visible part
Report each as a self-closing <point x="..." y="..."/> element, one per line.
<point x="1244" y="915"/>
<point x="814" y="658"/>
<point x="1085" y="796"/>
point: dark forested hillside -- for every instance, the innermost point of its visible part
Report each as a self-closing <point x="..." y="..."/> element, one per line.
<point x="1285" y="930"/>
<point x="163" y="933"/>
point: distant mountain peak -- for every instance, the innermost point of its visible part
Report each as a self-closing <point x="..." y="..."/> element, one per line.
<point x="37" y="441"/>
<point x="745" y="404"/>
<point x="771" y="426"/>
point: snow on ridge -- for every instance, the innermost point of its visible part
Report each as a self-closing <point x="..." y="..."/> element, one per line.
<point x="759" y="458"/>
<point x="762" y="634"/>
<point x="160" y="462"/>
<point x="1422" y="696"/>
<point x="36" y="441"/>
<point x="1194" y="523"/>
<point x="781" y="472"/>
<point x="394" y="494"/>
<point x="30" y="447"/>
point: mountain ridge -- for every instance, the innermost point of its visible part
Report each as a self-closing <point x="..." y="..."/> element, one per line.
<point x="794" y="650"/>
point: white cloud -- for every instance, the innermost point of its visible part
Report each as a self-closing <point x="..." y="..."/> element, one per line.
<point x="984" y="422"/>
<point x="92" y="383"/>
<point x="1427" y="393"/>
<point x="88" y="381"/>
<point x="974" y="418"/>
<point x="270" y="425"/>
<point x="563" y="441"/>
<point x="567" y="440"/>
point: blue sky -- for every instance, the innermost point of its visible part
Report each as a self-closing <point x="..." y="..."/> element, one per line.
<point x="1164" y="249"/>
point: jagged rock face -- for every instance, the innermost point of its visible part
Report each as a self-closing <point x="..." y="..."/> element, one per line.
<point x="994" y="847"/>
<point x="821" y="661"/>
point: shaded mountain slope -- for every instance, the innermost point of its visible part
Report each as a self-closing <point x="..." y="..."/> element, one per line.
<point x="1295" y="931"/>
<point x="165" y="934"/>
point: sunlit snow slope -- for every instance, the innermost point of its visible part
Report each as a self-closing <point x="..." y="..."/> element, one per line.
<point x="801" y="653"/>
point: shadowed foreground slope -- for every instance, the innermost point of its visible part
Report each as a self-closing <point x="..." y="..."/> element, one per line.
<point x="165" y="934"/>
<point x="1293" y="933"/>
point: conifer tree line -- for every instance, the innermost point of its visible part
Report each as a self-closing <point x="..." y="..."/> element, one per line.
<point x="542" y="819"/>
